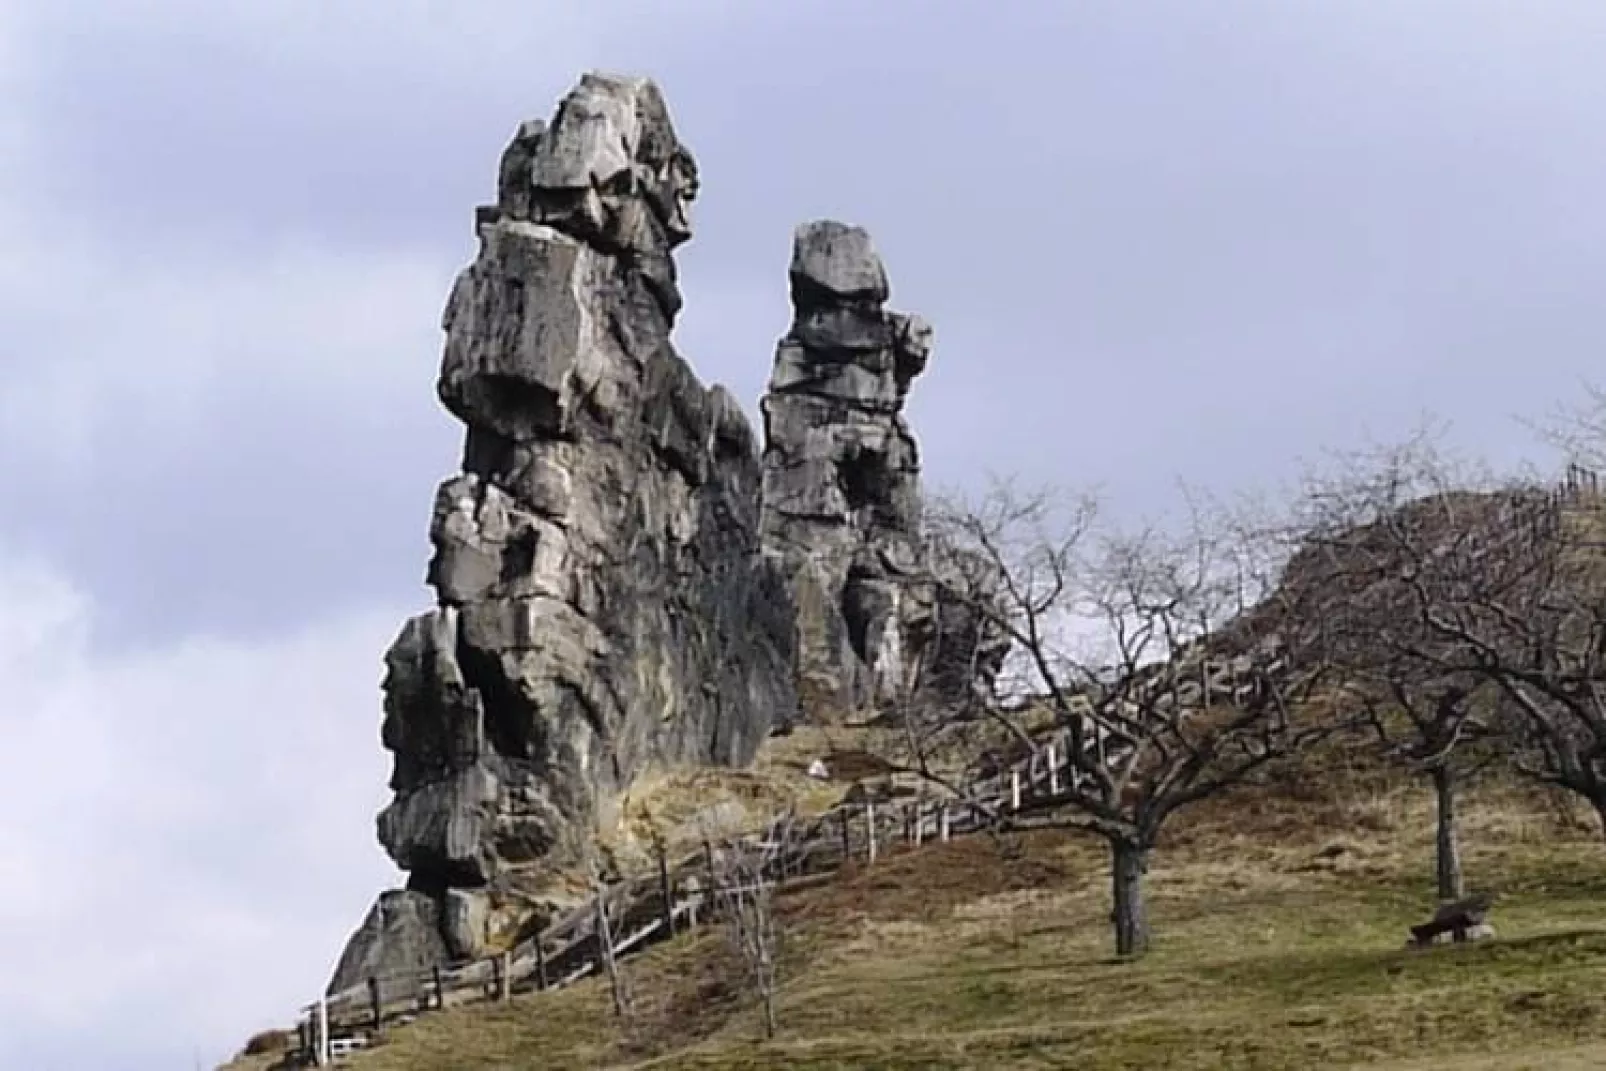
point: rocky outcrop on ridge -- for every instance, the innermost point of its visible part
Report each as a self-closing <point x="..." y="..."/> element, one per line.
<point x="603" y="606"/>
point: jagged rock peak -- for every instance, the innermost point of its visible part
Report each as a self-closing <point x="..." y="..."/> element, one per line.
<point x="594" y="202"/>
<point x="604" y="610"/>
<point x="610" y="170"/>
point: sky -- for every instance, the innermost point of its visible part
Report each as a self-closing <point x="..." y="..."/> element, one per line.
<point x="1159" y="242"/>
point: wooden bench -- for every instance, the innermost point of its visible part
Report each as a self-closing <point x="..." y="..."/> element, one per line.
<point x="1456" y="919"/>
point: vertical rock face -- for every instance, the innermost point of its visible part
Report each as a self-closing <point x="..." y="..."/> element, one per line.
<point x="842" y="474"/>
<point x="603" y="605"/>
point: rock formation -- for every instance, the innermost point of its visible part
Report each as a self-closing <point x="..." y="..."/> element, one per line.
<point x="883" y="612"/>
<point x="603" y="608"/>
<point x="842" y="472"/>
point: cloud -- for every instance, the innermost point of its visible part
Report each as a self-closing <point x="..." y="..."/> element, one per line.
<point x="188" y="831"/>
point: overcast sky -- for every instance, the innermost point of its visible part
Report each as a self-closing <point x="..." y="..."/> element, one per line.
<point x="1157" y="241"/>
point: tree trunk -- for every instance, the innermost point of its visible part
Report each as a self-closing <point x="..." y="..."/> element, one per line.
<point x="769" y="1012"/>
<point x="1129" y="861"/>
<point x="1448" y="868"/>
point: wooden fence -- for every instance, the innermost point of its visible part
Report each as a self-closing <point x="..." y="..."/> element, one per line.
<point x="679" y="893"/>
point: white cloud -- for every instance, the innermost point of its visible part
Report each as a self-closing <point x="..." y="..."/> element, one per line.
<point x="187" y="833"/>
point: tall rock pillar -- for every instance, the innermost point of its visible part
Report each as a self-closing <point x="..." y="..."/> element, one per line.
<point x="842" y="474"/>
<point x="603" y="606"/>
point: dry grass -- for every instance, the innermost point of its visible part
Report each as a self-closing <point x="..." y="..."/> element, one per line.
<point x="1280" y="918"/>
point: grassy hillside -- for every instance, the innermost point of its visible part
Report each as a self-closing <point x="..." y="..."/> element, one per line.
<point x="1280" y="918"/>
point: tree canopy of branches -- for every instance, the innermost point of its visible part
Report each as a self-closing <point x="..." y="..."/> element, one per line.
<point x="1503" y="586"/>
<point x="744" y="873"/>
<point x="1140" y="645"/>
<point x="1394" y="533"/>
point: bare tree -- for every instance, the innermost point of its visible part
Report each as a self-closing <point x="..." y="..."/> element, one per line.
<point x="1392" y="524"/>
<point x="1500" y="585"/>
<point x="745" y="872"/>
<point x="949" y="721"/>
<point x="1169" y="663"/>
<point x="1543" y="643"/>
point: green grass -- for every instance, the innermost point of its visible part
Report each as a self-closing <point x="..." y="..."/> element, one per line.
<point x="1279" y="933"/>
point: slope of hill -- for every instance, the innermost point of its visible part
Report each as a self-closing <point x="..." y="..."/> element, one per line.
<point x="1280" y="918"/>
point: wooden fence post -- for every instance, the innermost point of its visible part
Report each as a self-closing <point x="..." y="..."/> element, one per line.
<point x="665" y="892"/>
<point x="783" y="853"/>
<point x="713" y="879"/>
<point x="847" y="837"/>
<point x="942" y="823"/>
<point x="1053" y="771"/>
<point x="920" y="822"/>
<point x="373" y="1001"/>
<point x="540" y="963"/>
<point x="869" y="827"/>
<point x="1014" y="789"/>
<point x="504" y="976"/>
<point x="322" y="1053"/>
<point x="440" y="990"/>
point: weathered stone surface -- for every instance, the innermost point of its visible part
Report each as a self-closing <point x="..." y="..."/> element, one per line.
<point x="465" y="915"/>
<point x="842" y="498"/>
<point x="604" y="606"/>
<point x="834" y="263"/>
<point x="400" y="936"/>
<point x="841" y="471"/>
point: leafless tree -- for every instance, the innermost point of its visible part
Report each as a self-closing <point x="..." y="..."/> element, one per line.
<point x="745" y="872"/>
<point x="949" y="721"/>
<point x="1169" y="662"/>
<point x="1499" y="584"/>
<point x="1390" y="524"/>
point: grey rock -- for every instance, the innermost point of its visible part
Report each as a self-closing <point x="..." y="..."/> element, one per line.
<point x="517" y="324"/>
<point x="850" y="329"/>
<point x="606" y="609"/>
<point x="398" y="941"/>
<point x="465" y="914"/>
<point x="841" y="471"/>
<point x="842" y="498"/>
<point x="835" y="262"/>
